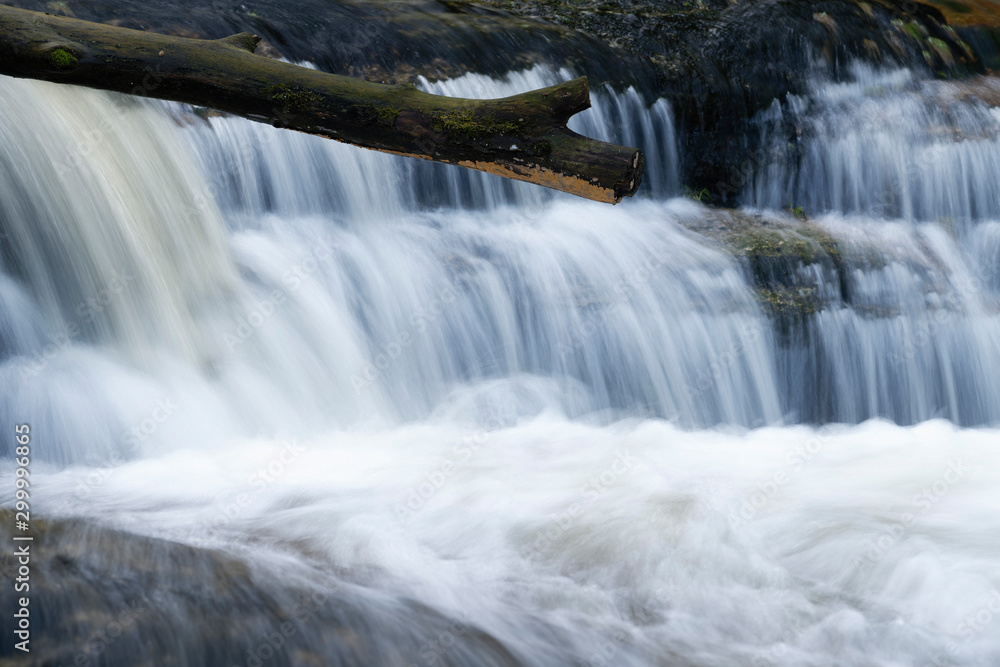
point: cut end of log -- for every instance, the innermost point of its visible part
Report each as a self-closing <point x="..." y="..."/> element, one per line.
<point x="628" y="187"/>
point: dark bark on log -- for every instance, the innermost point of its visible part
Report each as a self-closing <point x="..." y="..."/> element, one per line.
<point x="522" y="137"/>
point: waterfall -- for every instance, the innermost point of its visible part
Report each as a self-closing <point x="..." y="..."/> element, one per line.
<point x="133" y="291"/>
<point x="292" y="242"/>
<point x="903" y="172"/>
<point x="885" y="144"/>
<point x="914" y="337"/>
<point x="549" y="430"/>
<point x="492" y="280"/>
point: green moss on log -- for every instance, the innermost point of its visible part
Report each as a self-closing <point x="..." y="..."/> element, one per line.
<point x="541" y="148"/>
<point x="465" y="123"/>
<point x="292" y="99"/>
<point x="380" y="114"/>
<point x="386" y="115"/>
<point x="62" y="59"/>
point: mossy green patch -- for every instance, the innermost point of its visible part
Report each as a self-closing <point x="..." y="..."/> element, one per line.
<point x="801" y="301"/>
<point x="375" y="115"/>
<point x="62" y="59"/>
<point x="827" y="243"/>
<point x="774" y="252"/>
<point x="465" y="123"/>
<point x="942" y="49"/>
<point x="771" y="243"/>
<point x="915" y="30"/>
<point x="291" y="99"/>
<point x="702" y="195"/>
<point x="386" y="116"/>
<point x="541" y="148"/>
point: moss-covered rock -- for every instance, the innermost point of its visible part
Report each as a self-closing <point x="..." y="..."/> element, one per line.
<point x="795" y="266"/>
<point x="793" y="302"/>
<point x="776" y="257"/>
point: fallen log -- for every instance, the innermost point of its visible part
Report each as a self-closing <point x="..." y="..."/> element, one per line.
<point x="523" y="137"/>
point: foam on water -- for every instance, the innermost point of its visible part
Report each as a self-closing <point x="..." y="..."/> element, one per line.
<point x="851" y="546"/>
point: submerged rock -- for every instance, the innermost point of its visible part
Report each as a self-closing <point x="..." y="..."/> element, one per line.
<point x="799" y="268"/>
<point x="795" y="267"/>
<point x="101" y="596"/>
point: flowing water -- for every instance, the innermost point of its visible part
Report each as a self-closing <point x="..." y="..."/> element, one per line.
<point x="566" y="426"/>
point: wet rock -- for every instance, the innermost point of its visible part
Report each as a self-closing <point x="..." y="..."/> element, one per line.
<point x="103" y="596"/>
<point x="791" y="262"/>
<point x="720" y="63"/>
<point x="977" y="23"/>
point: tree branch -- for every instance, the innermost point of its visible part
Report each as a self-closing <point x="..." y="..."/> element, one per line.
<point x="522" y="137"/>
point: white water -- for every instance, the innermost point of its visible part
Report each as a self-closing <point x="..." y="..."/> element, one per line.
<point x="886" y="143"/>
<point x="915" y="167"/>
<point x="522" y="410"/>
